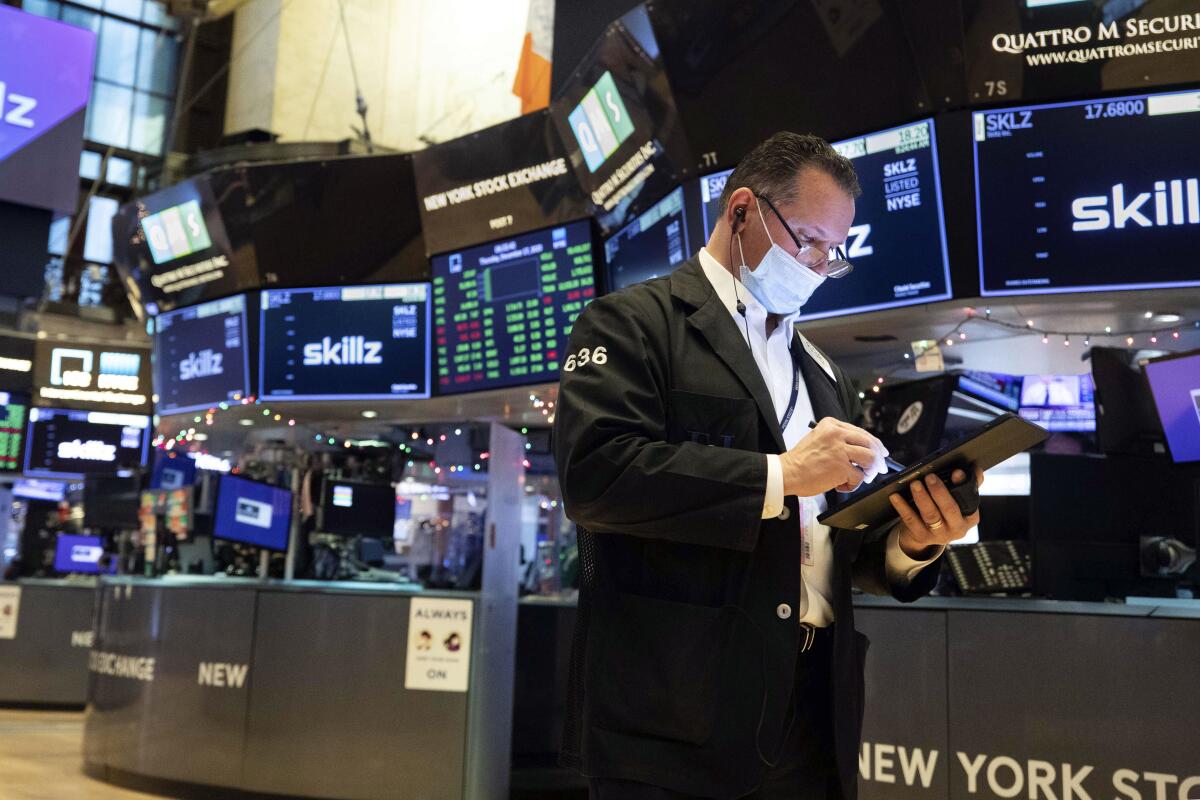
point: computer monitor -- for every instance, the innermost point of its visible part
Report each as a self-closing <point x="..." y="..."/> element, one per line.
<point x="71" y="444"/>
<point x="711" y="187"/>
<point x="652" y="245"/>
<point x="80" y="554"/>
<point x="503" y="310"/>
<point x="1175" y="386"/>
<point x="1059" y="403"/>
<point x="253" y="513"/>
<point x="1126" y="420"/>
<point x="345" y="343"/>
<point x="994" y="388"/>
<point x="14" y="408"/>
<point x="173" y="471"/>
<point x="110" y="502"/>
<point x="1088" y="195"/>
<point x="201" y="356"/>
<point x="38" y="489"/>
<point x="351" y="508"/>
<point x="910" y="418"/>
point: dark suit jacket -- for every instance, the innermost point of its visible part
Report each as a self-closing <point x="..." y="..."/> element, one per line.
<point x="682" y="670"/>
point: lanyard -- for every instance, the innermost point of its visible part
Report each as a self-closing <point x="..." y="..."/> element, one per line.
<point x="787" y="415"/>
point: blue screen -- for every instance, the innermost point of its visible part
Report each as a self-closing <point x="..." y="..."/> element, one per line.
<point x="79" y="554"/>
<point x="345" y="342"/>
<point x="650" y="246"/>
<point x="252" y="513"/>
<point x="1088" y="195"/>
<point x="711" y="187"/>
<point x="200" y="356"/>
<point x="503" y="310"/>
<point x="994" y="387"/>
<point x="173" y="471"/>
<point x="1059" y="402"/>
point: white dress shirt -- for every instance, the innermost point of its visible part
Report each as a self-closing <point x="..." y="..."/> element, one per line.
<point x="773" y="355"/>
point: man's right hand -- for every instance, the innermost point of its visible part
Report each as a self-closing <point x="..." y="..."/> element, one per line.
<point x="825" y="459"/>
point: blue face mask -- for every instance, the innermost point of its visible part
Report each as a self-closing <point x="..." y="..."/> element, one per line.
<point x="781" y="283"/>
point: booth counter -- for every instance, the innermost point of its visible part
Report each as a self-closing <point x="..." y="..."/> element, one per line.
<point x="45" y="634"/>
<point x="302" y="688"/>
<point x="980" y="698"/>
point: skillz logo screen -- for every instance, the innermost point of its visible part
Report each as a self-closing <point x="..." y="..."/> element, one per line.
<point x="1089" y="196"/>
<point x="201" y="356"/>
<point x="345" y="342"/>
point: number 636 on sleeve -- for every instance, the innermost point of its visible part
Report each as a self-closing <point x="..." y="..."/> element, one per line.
<point x="597" y="356"/>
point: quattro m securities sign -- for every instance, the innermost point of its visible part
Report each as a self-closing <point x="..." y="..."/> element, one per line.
<point x="1032" y="49"/>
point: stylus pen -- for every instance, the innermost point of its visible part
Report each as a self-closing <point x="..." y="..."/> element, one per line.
<point x="894" y="466"/>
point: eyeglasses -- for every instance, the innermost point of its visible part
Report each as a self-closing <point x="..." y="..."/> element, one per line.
<point x="810" y="255"/>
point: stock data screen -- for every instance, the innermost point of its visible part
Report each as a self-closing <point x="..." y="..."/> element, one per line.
<point x="1089" y="195"/>
<point x="200" y="356"/>
<point x="13" y="409"/>
<point x="711" y="187"/>
<point x="345" y="342"/>
<point x="898" y="241"/>
<point x="652" y="245"/>
<point x="503" y="311"/>
<point x="67" y="444"/>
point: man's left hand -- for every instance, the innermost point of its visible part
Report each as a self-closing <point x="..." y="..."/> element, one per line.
<point x="937" y="519"/>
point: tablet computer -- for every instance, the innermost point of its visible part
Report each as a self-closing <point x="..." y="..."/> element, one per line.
<point x="999" y="440"/>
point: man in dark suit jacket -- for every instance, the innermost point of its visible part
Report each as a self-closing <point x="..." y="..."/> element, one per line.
<point x="715" y="652"/>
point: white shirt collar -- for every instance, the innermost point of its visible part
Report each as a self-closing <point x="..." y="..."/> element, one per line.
<point x="723" y="283"/>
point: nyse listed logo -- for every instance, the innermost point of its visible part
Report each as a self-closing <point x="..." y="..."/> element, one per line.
<point x="347" y="351"/>
<point x="205" y="364"/>
<point x="253" y="512"/>
<point x="15" y="108"/>
<point x="1176" y="202"/>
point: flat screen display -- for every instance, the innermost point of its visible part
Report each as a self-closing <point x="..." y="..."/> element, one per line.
<point x="359" y="509"/>
<point x="13" y="411"/>
<point x="85" y="376"/>
<point x="1089" y="195"/>
<point x="652" y="245"/>
<point x="71" y="444"/>
<point x="110" y="502"/>
<point x="898" y="241"/>
<point x="992" y="387"/>
<point x="173" y="244"/>
<point x="35" y="489"/>
<point x="45" y="83"/>
<point x="503" y="311"/>
<point x="616" y="117"/>
<point x="173" y="471"/>
<point x="201" y="357"/>
<point x="345" y="342"/>
<point x="1175" y="385"/>
<point x="252" y="513"/>
<point x="1059" y="403"/>
<point x="80" y="554"/>
<point x="711" y="187"/>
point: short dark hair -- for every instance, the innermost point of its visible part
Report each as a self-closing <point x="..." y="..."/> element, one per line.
<point x="771" y="168"/>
